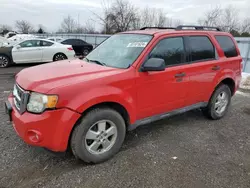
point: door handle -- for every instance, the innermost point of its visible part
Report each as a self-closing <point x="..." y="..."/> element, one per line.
<point x="179" y="75"/>
<point x="216" y="67"/>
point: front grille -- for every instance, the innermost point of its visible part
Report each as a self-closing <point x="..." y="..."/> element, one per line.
<point x="20" y="98"/>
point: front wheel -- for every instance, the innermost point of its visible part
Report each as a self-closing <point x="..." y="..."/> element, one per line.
<point x="219" y="103"/>
<point x="99" y="136"/>
<point x="4" y="61"/>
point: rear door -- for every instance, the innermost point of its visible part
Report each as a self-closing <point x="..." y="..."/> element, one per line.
<point x="164" y="91"/>
<point x="28" y="51"/>
<point x="47" y="51"/>
<point x="204" y="66"/>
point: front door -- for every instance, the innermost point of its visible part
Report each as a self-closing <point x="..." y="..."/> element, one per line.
<point x="164" y="91"/>
<point x="28" y="51"/>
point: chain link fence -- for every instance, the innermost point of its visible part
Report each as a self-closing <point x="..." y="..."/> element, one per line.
<point x="244" y="46"/>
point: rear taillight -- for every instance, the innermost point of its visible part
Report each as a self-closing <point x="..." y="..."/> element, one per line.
<point x="70" y="48"/>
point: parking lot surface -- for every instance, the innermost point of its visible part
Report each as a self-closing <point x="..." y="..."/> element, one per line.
<point x="186" y="151"/>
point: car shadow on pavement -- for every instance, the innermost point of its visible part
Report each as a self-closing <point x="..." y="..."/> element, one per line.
<point x="136" y="137"/>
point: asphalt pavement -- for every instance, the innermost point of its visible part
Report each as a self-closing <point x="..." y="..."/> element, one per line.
<point x="184" y="151"/>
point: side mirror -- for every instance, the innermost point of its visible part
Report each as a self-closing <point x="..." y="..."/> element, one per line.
<point x="18" y="46"/>
<point x="154" y="64"/>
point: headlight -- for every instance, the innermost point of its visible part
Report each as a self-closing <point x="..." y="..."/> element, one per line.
<point x="39" y="102"/>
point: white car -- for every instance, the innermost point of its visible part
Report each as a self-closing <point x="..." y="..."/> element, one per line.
<point x="34" y="51"/>
<point x="3" y="41"/>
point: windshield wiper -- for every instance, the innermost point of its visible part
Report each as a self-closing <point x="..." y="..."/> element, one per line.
<point x="96" y="61"/>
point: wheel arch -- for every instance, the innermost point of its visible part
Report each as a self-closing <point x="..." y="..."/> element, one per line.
<point x="113" y="105"/>
<point x="229" y="82"/>
<point x="53" y="58"/>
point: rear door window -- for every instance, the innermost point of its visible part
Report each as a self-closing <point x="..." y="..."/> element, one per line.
<point x="46" y="43"/>
<point x="227" y="46"/>
<point x="201" y="48"/>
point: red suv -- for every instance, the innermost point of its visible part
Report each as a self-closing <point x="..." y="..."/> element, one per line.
<point x="132" y="78"/>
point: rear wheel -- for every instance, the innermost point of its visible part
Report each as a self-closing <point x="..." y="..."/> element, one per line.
<point x="85" y="52"/>
<point x="219" y="103"/>
<point x="4" y="61"/>
<point x="99" y="136"/>
<point x="59" y="57"/>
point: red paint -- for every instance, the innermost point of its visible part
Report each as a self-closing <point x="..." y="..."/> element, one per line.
<point x="53" y="127"/>
<point x="80" y="85"/>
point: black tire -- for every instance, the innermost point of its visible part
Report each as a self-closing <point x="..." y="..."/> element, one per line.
<point x="4" y="61"/>
<point x="59" y="57"/>
<point x="78" y="141"/>
<point x="210" y="111"/>
<point x="85" y="51"/>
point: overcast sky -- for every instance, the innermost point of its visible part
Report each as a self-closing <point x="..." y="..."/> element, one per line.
<point x="51" y="12"/>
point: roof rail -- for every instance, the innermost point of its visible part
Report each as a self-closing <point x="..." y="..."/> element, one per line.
<point x="144" y="28"/>
<point x="194" y="27"/>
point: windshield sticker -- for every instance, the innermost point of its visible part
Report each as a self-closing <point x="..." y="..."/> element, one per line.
<point x="137" y="45"/>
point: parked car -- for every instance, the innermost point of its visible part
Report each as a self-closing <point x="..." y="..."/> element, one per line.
<point x="33" y="51"/>
<point x="80" y="47"/>
<point x="3" y="41"/>
<point x="20" y="37"/>
<point x="56" y="39"/>
<point x="10" y="34"/>
<point x="131" y="79"/>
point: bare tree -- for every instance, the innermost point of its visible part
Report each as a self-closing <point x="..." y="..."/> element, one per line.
<point x="119" y="16"/>
<point x="150" y="17"/>
<point x="227" y="19"/>
<point x="24" y="26"/>
<point x="245" y="26"/>
<point x="90" y="28"/>
<point x="87" y="28"/>
<point x="68" y="25"/>
<point x="212" y="17"/>
<point x="171" y="22"/>
<point x="230" y="19"/>
<point x="122" y="14"/>
<point x="5" y="28"/>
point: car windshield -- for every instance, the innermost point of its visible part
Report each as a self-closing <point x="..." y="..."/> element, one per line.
<point x="119" y="51"/>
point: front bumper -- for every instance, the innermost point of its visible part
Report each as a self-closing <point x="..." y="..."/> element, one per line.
<point x="50" y="129"/>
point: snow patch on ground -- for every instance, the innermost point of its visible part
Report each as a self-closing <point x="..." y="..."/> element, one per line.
<point x="245" y="82"/>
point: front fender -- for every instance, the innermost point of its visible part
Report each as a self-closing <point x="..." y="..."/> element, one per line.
<point x="82" y="101"/>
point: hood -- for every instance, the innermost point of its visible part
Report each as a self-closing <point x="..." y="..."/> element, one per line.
<point x="43" y="78"/>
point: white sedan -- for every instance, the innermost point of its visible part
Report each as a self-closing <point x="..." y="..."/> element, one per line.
<point x="34" y="51"/>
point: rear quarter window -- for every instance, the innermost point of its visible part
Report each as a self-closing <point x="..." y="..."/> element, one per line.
<point x="227" y="46"/>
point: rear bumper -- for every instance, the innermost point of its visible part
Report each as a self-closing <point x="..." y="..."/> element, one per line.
<point x="71" y="56"/>
<point x="50" y="129"/>
<point x="237" y="82"/>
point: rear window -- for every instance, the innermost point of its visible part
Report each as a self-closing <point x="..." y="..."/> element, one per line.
<point x="227" y="46"/>
<point x="201" y="48"/>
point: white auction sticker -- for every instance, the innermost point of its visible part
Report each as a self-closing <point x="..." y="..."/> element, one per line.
<point x="137" y="45"/>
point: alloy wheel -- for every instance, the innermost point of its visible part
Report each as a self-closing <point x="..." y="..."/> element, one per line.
<point x="221" y="103"/>
<point x="101" y="137"/>
<point x="59" y="57"/>
<point x="3" y="61"/>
